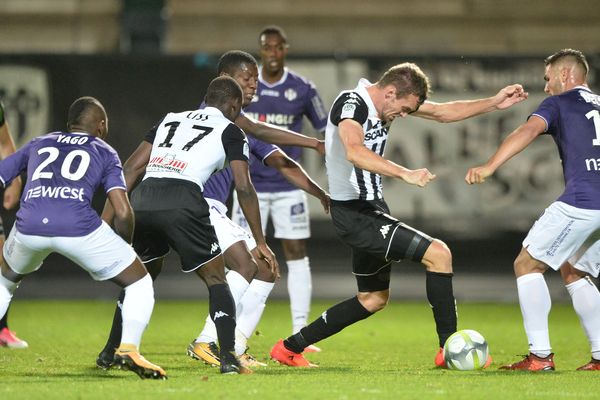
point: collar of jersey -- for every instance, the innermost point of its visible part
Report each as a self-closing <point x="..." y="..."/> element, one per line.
<point x="583" y="88"/>
<point x="272" y="85"/>
<point x="79" y="133"/>
<point x="363" y="84"/>
<point x="212" y="110"/>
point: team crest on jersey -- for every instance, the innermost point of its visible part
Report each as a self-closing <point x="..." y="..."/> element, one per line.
<point x="348" y="111"/>
<point x="168" y="163"/>
<point x="290" y="94"/>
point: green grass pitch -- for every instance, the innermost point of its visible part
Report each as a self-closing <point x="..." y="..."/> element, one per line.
<point x="388" y="356"/>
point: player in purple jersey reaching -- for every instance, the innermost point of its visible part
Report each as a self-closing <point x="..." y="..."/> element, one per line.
<point x="64" y="169"/>
<point x="8" y="338"/>
<point x="560" y="238"/>
<point x="284" y="98"/>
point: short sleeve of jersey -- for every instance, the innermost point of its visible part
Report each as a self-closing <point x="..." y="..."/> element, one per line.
<point x="315" y="110"/>
<point x="151" y="134"/>
<point x="113" y="171"/>
<point x="548" y="110"/>
<point x="235" y="143"/>
<point x="14" y="164"/>
<point x="260" y="149"/>
<point x="349" y="106"/>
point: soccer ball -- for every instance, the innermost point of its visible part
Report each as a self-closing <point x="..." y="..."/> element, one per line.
<point x="466" y="350"/>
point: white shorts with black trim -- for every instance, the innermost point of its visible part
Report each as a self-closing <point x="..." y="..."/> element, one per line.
<point x="227" y="231"/>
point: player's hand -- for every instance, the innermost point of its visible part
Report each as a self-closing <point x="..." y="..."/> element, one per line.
<point x="12" y="194"/>
<point x="510" y="96"/>
<point x="478" y="174"/>
<point x="325" y="202"/>
<point x="267" y="254"/>
<point x="320" y="147"/>
<point x="419" y="177"/>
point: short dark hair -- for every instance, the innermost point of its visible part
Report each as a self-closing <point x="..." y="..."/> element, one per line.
<point x="231" y="61"/>
<point x="407" y="78"/>
<point x="575" y="55"/>
<point x="221" y="90"/>
<point x="82" y="109"/>
<point x="273" y="30"/>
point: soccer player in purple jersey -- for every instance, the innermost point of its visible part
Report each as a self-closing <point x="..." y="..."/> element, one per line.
<point x="283" y="98"/>
<point x="8" y="338"/>
<point x="560" y="238"/>
<point x="64" y="169"/>
<point x="249" y="278"/>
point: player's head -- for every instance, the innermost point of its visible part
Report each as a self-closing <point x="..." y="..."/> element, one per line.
<point x="405" y="87"/>
<point x="564" y="70"/>
<point x="87" y="114"/>
<point x="273" y="49"/>
<point x="225" y="94"/>
<point x="242" y="67"/>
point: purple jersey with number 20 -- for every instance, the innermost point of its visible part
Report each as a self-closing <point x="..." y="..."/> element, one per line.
<point x="63" y="172"/>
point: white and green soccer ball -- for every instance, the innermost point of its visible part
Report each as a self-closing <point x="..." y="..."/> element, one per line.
<point x="466" y="350"/>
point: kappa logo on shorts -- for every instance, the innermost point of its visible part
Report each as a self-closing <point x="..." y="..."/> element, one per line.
<point x="220" y="314"/>
<point x="324" y="316"/>
<point x="385" y="230"/>
<point x="214" y="247"/>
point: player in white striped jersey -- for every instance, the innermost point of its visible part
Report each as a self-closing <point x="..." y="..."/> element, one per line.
<point x="355" y="139"/>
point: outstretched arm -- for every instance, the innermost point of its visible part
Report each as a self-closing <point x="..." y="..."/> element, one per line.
<point x="514" y="143"/>
<point x="296" y="175"/>
<point x="279" y="136"/>
<point x="7" y="147"/>
<point x="462" y="109"/>
<point x="352" y="136"/>
<point x="249" y="205"/>
<point x="133" y="170"/>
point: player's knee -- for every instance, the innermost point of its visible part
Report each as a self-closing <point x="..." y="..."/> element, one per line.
<point x="525" y="264"/>
<point x="374" y="301"/>
<point x="438" y="257"/>
<point x="264" y="272"/>
<point x="294" y="249"/>
<point x="248" y="268"/>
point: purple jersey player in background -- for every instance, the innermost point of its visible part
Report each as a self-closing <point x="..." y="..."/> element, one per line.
<point x="283" y="98"/>
<point x="560" y="238"/>
<point x="64" y="169"/>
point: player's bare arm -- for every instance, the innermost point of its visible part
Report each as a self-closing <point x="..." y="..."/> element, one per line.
<point x="12" y="192"/>
<point x="514" y="143"/>
<point x="133" y="170"/>
<point x="352" y="137"/>
<point x="297" y="176"/>
<point x="124" y="219"/>
<point x="279" y="136"/>
<point x="249" y="205"/>
<point x="462" y="109"/>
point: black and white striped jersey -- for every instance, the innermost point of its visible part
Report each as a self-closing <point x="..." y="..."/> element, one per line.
<point x="347" y="182"/>
<point x="191" y="145"/>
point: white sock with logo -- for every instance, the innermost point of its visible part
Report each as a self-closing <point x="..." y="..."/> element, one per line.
<point x="586" y="302"/>
<point x="137" y="310"/>
<point x="299" y="285"/>
<point x="535" y="302"/>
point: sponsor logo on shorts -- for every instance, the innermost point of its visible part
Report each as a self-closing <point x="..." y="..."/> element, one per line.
<point x="385" y="230"/>
<point x="220" y="314"/>
<point x="559" y="240"/>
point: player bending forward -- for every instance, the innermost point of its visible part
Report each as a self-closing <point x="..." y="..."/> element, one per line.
<point x="64" y="169"/>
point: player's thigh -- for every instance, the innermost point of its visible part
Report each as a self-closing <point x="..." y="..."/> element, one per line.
<point x="102" y="253"/>
<point x="559" y="233"/>
<point x="290" y="215"/>
<point x="228" y="232"/>
<point x="25" y="253"/>
<point x="264" y="204"/>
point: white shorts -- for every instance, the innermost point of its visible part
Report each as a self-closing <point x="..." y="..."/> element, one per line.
<point x="288" y="210"/>
<point x="560" y="232"/>
<point x="227" y="231"/>
<point x="102" y="253"/>
<point x="587" y="258"/>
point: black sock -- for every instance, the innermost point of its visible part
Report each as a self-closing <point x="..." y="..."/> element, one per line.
<point x="329" y="323"/>
<point x="441" y="298"/>
<point x="222" y="312"/>
<point x="4" y="320"/>
<point x="114" y="338"/>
